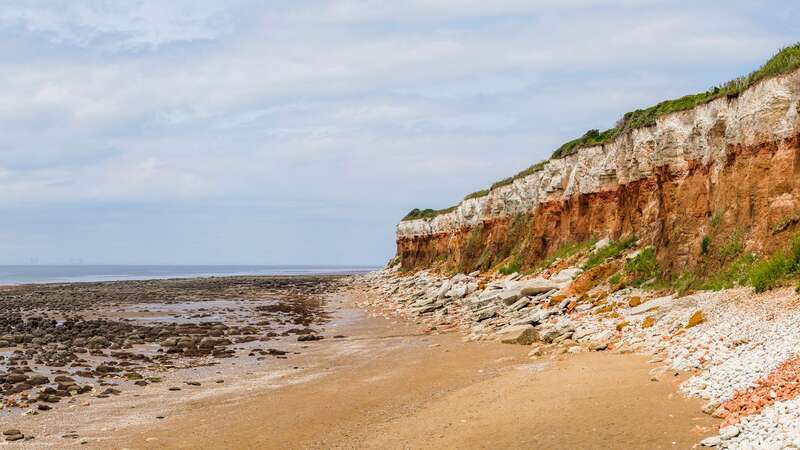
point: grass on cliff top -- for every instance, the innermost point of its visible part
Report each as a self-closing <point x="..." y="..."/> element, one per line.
<point x="415" y="213"/>
<point x="784" y="61"/>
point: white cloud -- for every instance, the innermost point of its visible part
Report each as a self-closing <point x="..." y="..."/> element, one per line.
<point x="342" y="104"/>
<point x="115" y="25"/>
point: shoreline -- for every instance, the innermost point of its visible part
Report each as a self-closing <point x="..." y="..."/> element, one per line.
<point x="373" y="381"/>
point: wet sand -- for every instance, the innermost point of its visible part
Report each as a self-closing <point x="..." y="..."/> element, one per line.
<point x="387" y="385"/>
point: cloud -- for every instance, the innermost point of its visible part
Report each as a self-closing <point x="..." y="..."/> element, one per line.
<point x="118" y="26"/>
<point x="323" y="108"/>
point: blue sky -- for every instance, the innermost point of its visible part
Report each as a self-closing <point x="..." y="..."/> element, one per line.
<point x="270" y="132"/>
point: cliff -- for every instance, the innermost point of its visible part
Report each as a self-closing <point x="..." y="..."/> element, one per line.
<point x="724" y="170"/>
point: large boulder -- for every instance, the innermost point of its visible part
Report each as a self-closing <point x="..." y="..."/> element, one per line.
<point x="536" y="287"/>
<point x="518" y="334"/>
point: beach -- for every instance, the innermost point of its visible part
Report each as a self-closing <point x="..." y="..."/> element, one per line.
<point x="354" y="376"/>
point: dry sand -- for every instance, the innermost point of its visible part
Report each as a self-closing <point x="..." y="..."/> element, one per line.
<point x="388" y="386"/>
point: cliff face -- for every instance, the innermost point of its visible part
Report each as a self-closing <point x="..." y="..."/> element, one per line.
<point x="735" y="159"/>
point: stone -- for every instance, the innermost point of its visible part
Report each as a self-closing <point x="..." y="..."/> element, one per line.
<point x="566" y="275"/>
<point x="728" y="432"/>
<point x="648" y="322"/>
<point x="696" y="319"/>
<point x="486" y="313"/>
<point x="710" y="407"/>
<point x="634" y="301"/>
<point x="712" y="441"/>
<point x="535" y="287"/>
<point x="518" y="334"/>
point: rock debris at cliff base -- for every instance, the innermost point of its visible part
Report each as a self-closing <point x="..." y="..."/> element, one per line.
<point x="739" y="348"/>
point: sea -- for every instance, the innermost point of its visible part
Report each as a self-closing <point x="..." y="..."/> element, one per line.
<point x="89" y="273"/>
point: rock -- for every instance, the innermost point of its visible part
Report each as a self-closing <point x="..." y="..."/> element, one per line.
<point x="14" y="437"/>
<point x="601" y="244"/>
<point x="537" y="351"/>
<point x="728" y="432"/>
<point x="518" y="334"/>
<point x="566" y="275"/>
<point x="519" y="304"/>
<point x="536" y="286"/>
<point x="11" y="432"/>
<point x="634" y="301"/>
<point x="648" y="322"/>
<point x="486" y="313"/>
<point x="710" y="407"/>
<point x="696" y="319"/>
<point x="712" y="441"/>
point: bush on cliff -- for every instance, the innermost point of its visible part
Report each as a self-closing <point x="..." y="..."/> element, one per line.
<point x="770" y="272"/>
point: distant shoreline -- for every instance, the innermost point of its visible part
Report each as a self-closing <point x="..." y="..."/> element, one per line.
<point x="59" y="274"/>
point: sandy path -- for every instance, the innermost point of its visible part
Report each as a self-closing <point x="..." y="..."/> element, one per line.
<point x="386" y="386"/>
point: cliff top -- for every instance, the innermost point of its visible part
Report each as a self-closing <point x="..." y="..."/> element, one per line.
<point x="784" y="61"/>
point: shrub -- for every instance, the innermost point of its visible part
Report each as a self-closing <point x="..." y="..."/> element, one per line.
<point x="705" y="245"/>
<point x="769" y="273"/>
<point x="566" y="250"/>
<point x="415" y="213"/>
<point x="737" y="273"/>
<point x="512" y="266"/>
<point x="611" y="251"/>
<point x="643" y="267"/>
<point x="590" y="139"/>
<point x="615" y="279"/>
<point x="477" y="194"/>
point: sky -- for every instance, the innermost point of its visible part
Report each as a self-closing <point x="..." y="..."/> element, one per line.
<point x="300" y="132"/>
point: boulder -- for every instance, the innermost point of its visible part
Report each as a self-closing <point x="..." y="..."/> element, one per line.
<point x="518" y="334"/>
<point x="536" y="286"/>
<point x="566" y="275"/>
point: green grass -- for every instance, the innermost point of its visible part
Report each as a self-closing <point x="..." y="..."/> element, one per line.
<point x="786" y="221"/>
<point x="770" y="272"/>
<point x="590" y="139"/>
<point x="415" y="213"/>
<point x="566" y="250"/>
<point x="643" y="267"/>
<point x="615" y="279"/>
<point x="512" y="266"/>
<point x="538" y="167"/>
<point x="477" y="194"/>
<point x="611" y="251"/>
<point x="716" y="218"/>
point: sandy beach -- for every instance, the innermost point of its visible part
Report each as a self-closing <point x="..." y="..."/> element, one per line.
<point x="377" y="382"/>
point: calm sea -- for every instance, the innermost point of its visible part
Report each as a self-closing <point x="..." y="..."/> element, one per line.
<point x="83" y="273"/>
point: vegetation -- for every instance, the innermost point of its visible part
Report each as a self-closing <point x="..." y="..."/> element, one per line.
<point x="786" y="222"/>
<point x="768" y="273"/>
<point x="415" y="213"/>
<point x="477" y="194"/>
<point x="705" y="245"/>
<point x="610" y="251"/>
<point x="590" y="139"/>
<point x="512" y="266"/>
<point x="643" y="267"/>
<point x="567" y="250"/>
<point x="529" y="171"/>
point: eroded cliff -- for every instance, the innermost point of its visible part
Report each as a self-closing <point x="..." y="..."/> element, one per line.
<point x="726" y="169"/>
